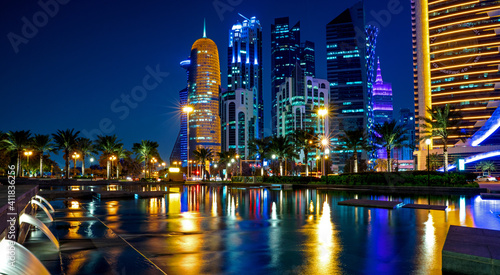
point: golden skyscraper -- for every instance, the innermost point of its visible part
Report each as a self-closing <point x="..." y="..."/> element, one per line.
<point x="203" y="96"/>
<point x="456" y="61"/>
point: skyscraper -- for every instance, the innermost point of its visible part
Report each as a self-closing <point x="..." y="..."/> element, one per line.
<point x="456" y="62"/>
<point x="350" y="49"/>
<point x="286" y="54"/>
<point x="179" y="151"/>
<point x="203" y="95"/>
<point x="382" y="99"/>
<point x="244" y="91"/>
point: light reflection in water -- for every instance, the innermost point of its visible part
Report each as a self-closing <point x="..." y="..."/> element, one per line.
<point x="209" y="228"/>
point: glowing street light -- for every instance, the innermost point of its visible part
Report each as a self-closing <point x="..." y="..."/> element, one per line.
<point x="112" y="158"/>
<point x="28" y="154"/>
<point x="187" y="110"/>
<point x="428" y="142"/>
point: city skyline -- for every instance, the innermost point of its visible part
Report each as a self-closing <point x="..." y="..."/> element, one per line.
<point x="64" y="95"/>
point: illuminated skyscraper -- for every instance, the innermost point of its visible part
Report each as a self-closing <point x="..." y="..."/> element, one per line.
<point x="242" y="104"/>
<point x="456" y="61"/>
<point x="382" y="104"/>
<point x="350" y="61"/>
<point x="203" y="95"/>
<point x="287" y="54"/>
<point x="179" y="151"/>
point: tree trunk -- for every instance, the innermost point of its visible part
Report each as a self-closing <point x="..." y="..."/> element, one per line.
<point x="445" y="154"/>
<point x="74" y="167"/>
<point x="307" y="162"/>
<point x="19" y="163"/>
<point x="355" y="156"/>
<point x="108" y="169"/>
<point x="281" y="167"/>
<point x="41" y="164"/>
<point x="67" y="163"/>
<point x="389" y="160"/>
<point x="117" y="171"/>
<point x="83" y="164"/>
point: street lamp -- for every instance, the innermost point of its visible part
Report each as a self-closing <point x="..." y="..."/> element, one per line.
<point x="28" y="154"/>
<point x="428" y="142"/>
<point x="75" y="156"/>
<point x="187" y="110"/>
<point x="153" y="161"/>
<point x="112" y="158"/>
<point x="324" y="142"/>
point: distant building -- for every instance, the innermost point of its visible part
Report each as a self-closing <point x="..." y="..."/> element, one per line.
<point x="350" y="46"/>
<point x="287" y="54"/>
<point x="179" y="151"/>
<point x="242" y="104"/>
<point x="298" y="102"/>
<point x="406" y="119"/>
<point x="382" y="104"/>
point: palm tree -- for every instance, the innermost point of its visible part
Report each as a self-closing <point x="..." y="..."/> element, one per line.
<point x="486" y="166"/>
<point x="282" y="146"/>
<point x="389" y="135"/>
<point x="66" y="141"/>
<point x="225" y="157"/>
<point x="42" y="144"/>
<point x="202" y="155"/>
<point x="306" y="141"/>
<point x="121" y="154"/>
<point x="16" y="141"/>
<point x="145" y="149"/>
<point x="434" y="161"/>
<point x="442" y="122"/>
<point x="355" y="140"/>
<point x="260" y="148"/>
<point x="87" y="148"/>
<point x="108" y="145"/>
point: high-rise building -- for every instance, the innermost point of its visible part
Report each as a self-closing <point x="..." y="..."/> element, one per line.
<point x="244" y="89"/>
<point x="179" y="151"/>
<point x="203" y="96"/>
<point x="382" y="99"/>
<point x="350" y="49"/>
<point x="456" y="62"/>
<point x="298" y="102"/>
<point x="286" y="54"/>
<point x="407" y="121"/>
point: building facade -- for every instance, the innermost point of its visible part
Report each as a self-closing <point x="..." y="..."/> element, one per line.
<point x="350" y="46"/>
<point x="242" y="104"/>
<point x="407" y="121"/>
<point x="382" y="104"/>
<point x="203" y="96"/>
<point x="286" y="54"/>
<point x="179" y="151"/>
<point x="456" y="62"/>
<point x="298" y="102"/>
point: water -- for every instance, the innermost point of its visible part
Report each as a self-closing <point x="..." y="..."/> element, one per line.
<point x="261" y="231"/>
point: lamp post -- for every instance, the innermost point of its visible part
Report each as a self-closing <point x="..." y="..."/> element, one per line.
<point x="75" y="156"/>
<point x="112" y="158"/>
<point x="90" y="166"/>
<point x="187" y="110"/>
<point x="239" y="164"/>
<point x="324" y="143"/>
<point x="153" y="161"/>
<point x="428" y="142"/>
<point x="28" y="154"/>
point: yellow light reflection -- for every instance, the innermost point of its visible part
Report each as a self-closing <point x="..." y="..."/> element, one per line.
<point x="328" y="249"/>
<point x="174" y="203"/>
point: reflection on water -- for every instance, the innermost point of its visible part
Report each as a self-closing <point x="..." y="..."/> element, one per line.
<point x="228" y="230"/>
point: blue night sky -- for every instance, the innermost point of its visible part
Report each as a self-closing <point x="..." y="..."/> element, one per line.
<point x="82" y="65"/>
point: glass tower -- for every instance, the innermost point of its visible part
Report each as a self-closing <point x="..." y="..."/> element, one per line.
<point x="287" y="53"/>
<point x="244" y="91"/>
<point x="350" y="60"/>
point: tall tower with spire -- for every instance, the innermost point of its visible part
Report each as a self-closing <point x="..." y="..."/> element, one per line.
<point x="203" y="95"/>
<point x="382" y="98"/>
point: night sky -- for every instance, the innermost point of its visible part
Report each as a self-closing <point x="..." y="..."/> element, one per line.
<point x="85" y="62"/>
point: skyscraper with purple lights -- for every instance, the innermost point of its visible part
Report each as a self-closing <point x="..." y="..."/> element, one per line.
<point x="382" y="104"/>
<point x="382" y="98"/>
